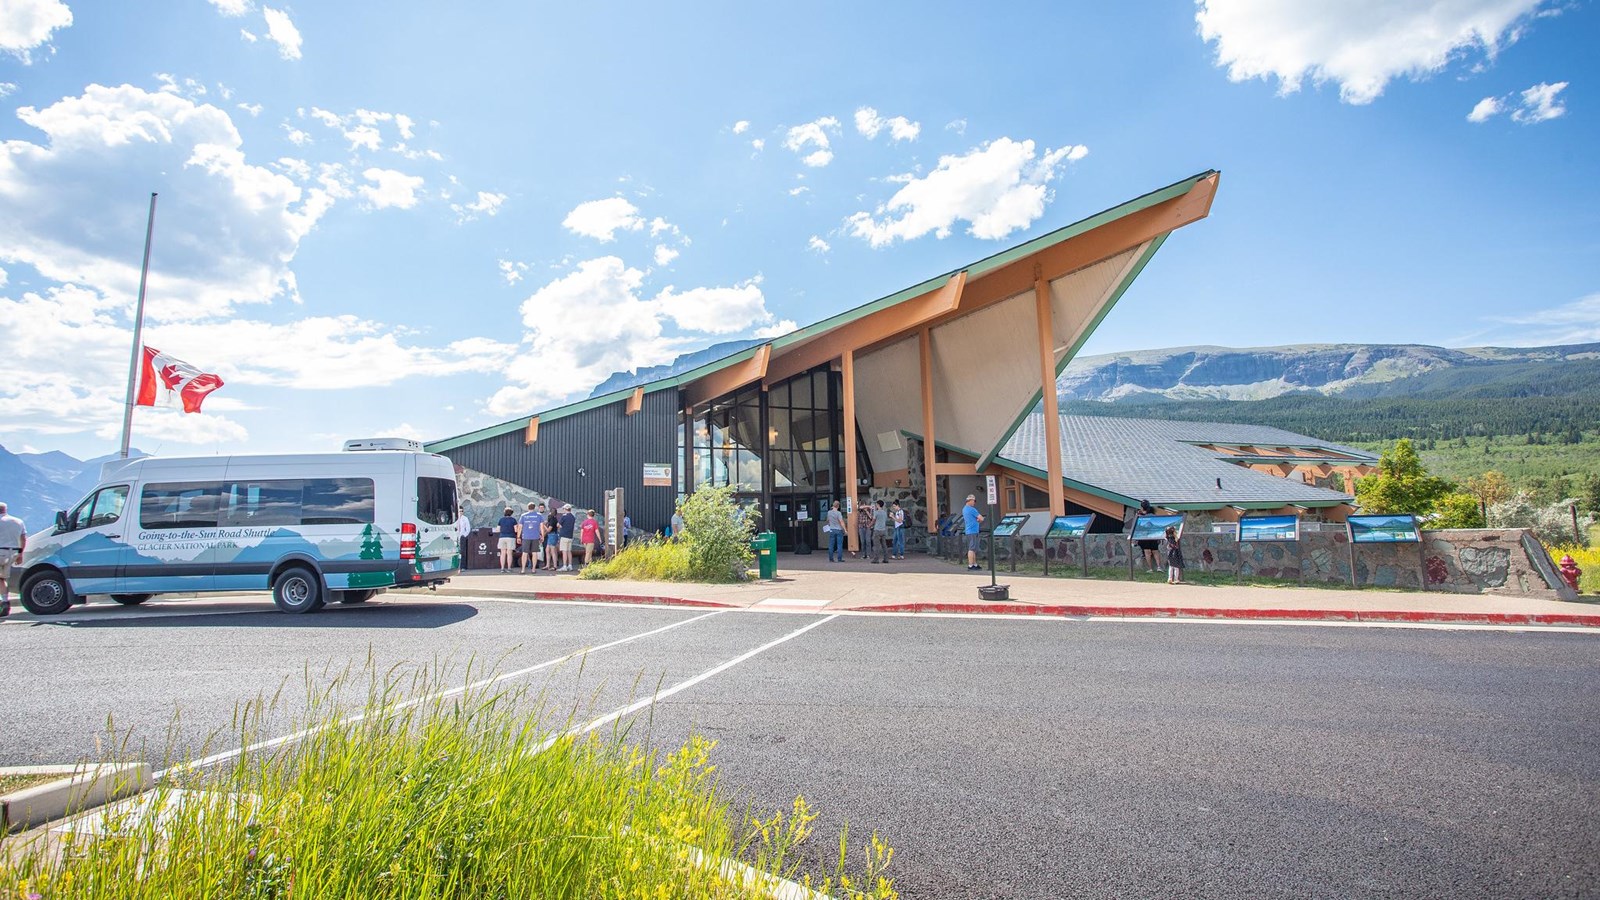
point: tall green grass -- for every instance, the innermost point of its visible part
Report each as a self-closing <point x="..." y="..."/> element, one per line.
<point x="648" y="560"/>
<point x="469" y="796"/>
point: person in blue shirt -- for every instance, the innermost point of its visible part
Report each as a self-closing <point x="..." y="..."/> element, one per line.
<point x="531" y="528"/>
<point x="508" y="539"/>
<point x="971" y="521"/>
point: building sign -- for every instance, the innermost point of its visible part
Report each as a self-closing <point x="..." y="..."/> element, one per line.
<point x="658" y="474"/>
<point x="1269" y="528"/>
<point x="1154" y="528"/>
<point x="1070" y="526"/>
<point x="994" y="492"/>
<point x="1395" y="529"/>
<point x="1009" y="524"/>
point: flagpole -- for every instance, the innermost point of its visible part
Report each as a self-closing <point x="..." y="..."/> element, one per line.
<point x="138" y="326"/>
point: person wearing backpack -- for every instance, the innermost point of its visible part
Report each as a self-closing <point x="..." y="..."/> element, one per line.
<point x="1172" y="548"/>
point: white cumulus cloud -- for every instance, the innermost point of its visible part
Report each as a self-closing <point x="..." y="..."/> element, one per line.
<point x="232" y="7"/>
<point x="623" y="329"/>
<point x="487" y="204"/>
<point x="26" y="25"/>
<point x="512" y="270"/>
<point x="281" y="31"/>
<point x="870" y="124"/>
<point x="602" y="219"/>
<point x="227" y="229"/>
<point x="1484" y="110"/>
<point x="997" y="188"/>
<point x="1539" y="103"/>
<point x="1360" y="46"/>
<point x="741" y="126"/>
<point x="812" y="136"/>
<point x="716" y="310"/>
<point x="818" y="245"/>
<point x="390" y="188"/>
<point x="664" y="254"/>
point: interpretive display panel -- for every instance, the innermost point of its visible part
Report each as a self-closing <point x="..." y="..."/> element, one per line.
<point x="1269" y="528"/>
<point x="1390" y="529"/>
<point x="1154" y="528"/>
<point x="1070" y="526"/>
<point x="1008" y="525"/>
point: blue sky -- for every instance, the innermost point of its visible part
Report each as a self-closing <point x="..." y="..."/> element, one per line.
<point x="419" y="222"/>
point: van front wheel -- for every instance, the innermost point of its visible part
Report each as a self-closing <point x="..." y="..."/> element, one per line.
<point x="46" y="594"/>
<point x="297" y="590"/>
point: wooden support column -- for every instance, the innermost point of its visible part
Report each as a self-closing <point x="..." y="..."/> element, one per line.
<point x="1047" y="383"/>
<point x="930" y="485"/>
<point x="851" y="477"/>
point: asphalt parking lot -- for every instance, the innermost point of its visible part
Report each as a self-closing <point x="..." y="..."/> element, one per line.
<point x="1015" y="757"/>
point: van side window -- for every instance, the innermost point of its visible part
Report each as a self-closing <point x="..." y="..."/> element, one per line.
<point x="108" y="505"/>
<point x="103" y="508"/>
<point x="338" y="501"/>
<point x="436" y="500"/>
<point x="300" y="501"/>
<point x="189" y="504"/>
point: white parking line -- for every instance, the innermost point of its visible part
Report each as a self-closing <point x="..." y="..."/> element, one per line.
<point x="682" y="685"/>
<point x="215" y="758"/>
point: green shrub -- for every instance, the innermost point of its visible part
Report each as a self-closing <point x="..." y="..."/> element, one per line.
<point x="714" y="547"/>
<point x="461" y="796"/>
<point x="718" y="534"/>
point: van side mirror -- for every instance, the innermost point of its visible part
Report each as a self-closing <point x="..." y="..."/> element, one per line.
<point x="61" y="520"/>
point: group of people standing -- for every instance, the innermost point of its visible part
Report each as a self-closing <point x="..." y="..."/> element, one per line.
<point x="545" y="536"/>
<point x="878" y="527"/>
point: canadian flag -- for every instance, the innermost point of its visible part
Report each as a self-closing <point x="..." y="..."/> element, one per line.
<point x="168" y="375"/>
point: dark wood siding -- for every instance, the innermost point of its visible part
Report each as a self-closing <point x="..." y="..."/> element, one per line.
<point x="608" y="445"/>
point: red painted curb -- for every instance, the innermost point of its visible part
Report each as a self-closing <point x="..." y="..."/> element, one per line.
<point x="1323" y="615"/>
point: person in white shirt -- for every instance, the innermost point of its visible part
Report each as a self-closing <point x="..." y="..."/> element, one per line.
<point x="463" y="531"/>
<point x="13" y="540"/>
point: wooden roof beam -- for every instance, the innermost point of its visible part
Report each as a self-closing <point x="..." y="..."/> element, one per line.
<point x="635" y="402"/>
<point x="532" y="434"/>
<point x="730" y="378"/>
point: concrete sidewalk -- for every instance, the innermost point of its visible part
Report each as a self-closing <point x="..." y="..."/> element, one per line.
<point x="926" y="584"/>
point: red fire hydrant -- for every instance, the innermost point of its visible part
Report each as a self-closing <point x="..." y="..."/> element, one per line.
<point x="1570" y="571"/>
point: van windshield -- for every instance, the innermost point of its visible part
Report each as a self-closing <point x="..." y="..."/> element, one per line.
<point x="436" y="500"/>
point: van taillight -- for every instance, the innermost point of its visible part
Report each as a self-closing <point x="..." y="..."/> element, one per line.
<point x="408" y="541"/>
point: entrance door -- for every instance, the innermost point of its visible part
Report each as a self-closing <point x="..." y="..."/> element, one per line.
<point x="795" y="518"/>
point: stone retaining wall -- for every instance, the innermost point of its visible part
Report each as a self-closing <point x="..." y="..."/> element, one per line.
<point x="1468" y="561"/>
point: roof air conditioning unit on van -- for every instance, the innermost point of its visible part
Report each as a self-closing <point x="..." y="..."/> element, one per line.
<point x="384" y="444"/>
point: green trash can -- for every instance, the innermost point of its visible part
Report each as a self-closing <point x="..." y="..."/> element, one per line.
<point x="765" y="547"/>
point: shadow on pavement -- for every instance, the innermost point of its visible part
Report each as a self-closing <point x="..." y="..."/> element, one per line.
<point x="383" y="615"/>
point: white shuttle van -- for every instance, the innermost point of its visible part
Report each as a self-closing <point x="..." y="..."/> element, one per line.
<point x="308" y="526"/>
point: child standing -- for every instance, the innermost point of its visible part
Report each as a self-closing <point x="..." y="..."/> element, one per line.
<point x="1173" y="546"/>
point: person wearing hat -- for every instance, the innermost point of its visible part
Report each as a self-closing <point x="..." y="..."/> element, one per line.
<point x="972" y="520"/>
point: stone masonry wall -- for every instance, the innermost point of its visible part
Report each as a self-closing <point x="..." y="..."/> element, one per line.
<point x="1469" y="561"/>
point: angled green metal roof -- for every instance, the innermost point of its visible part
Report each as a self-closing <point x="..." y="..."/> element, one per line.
<point x="974" y="270"/>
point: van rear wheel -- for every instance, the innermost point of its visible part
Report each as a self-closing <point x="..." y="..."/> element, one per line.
<point x="130" y="599"/>
<point x="348" y="597"/>
<point x="297" y="590"/>
<point x="46" y="594"/>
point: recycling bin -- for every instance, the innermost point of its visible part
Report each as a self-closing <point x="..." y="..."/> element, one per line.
<point x="765" y="546"/>
<point x="483" y="549"/>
